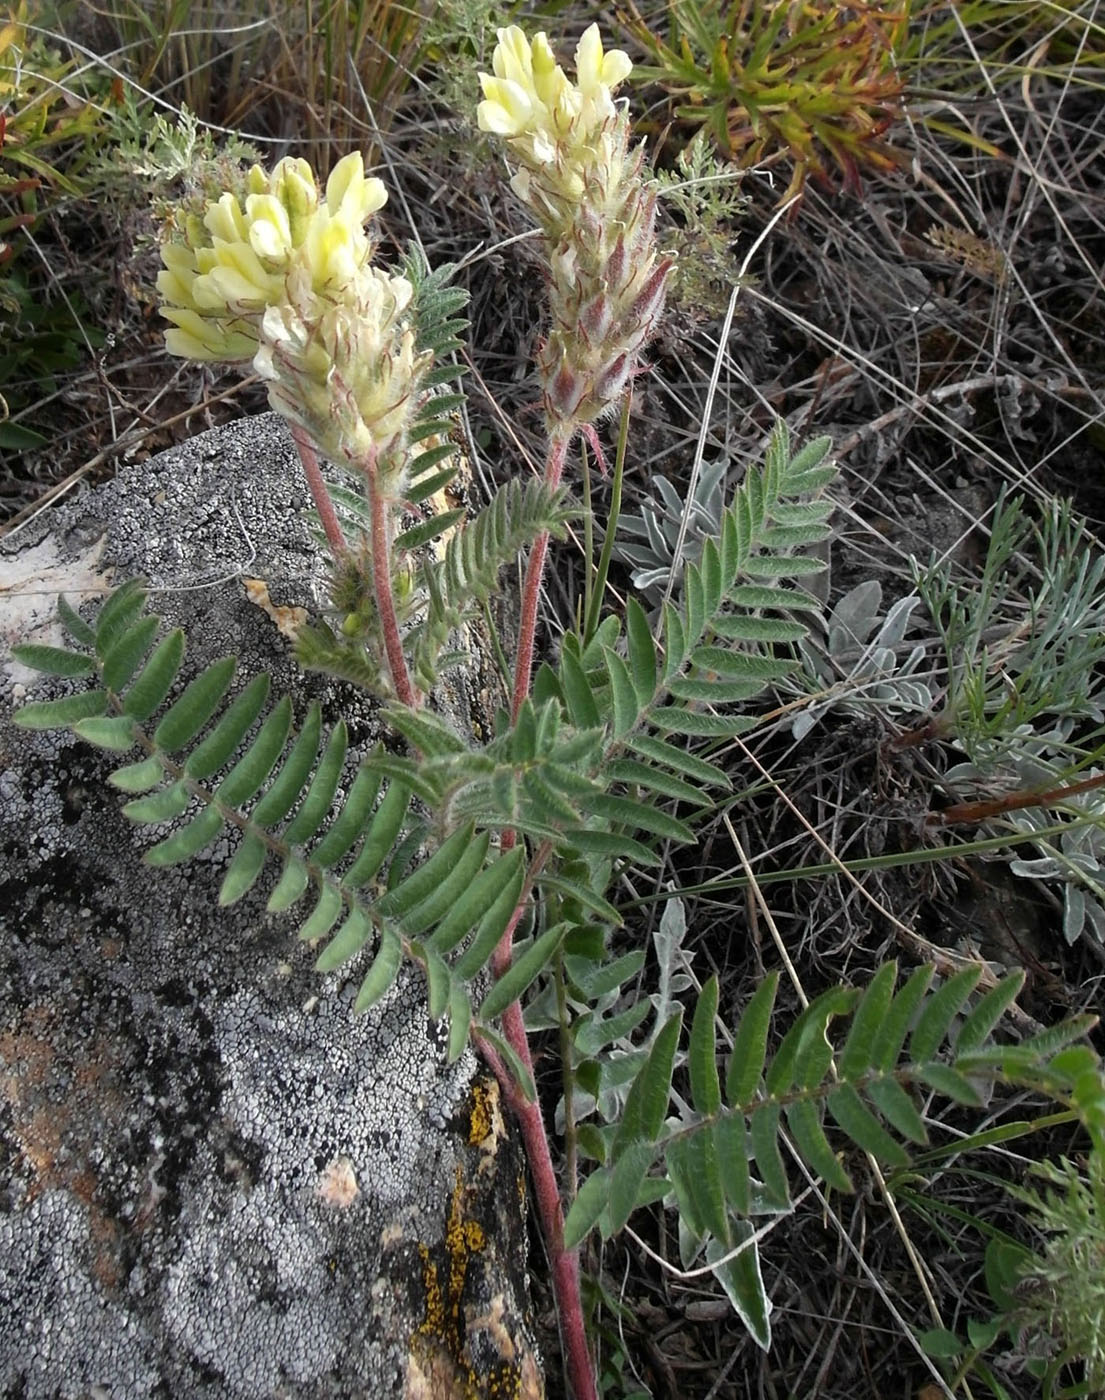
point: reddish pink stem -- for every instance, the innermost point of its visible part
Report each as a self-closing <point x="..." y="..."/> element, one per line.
<point x="531" y="591"/>
<point x="319" y="494"/>
<point x="564" y="1263"/>
<point x="381" y="582"/>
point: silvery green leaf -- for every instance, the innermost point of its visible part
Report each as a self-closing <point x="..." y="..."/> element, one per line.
<point x="1043" y="868"/>
<point x="853" y="619"/>
<point x="1095" y="914"/>
<point x="1074" y="913"/>
<point x="892" y="632"/>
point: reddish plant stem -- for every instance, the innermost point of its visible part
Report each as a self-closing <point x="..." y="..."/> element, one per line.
<point x="564" y="1263"/>
<point x="983" y="810"/>
<point x="319" y="494"/>
<point x="381" y="583"/>
<point x="531" y="590"/>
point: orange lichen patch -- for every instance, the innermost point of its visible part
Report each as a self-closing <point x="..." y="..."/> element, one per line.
<point x="288" y="620"/>
<point x="439" y="1366"/>
<point x="463" y="1238"/>
<point x="337" y="1185"/>
<point x="59" y="1104"/>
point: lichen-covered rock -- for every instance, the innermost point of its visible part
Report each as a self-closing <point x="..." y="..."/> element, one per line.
<point x="214" y="1179"/>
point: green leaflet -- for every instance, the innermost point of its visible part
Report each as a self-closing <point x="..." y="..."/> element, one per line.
<point x="58" y="714"/>
<point x="527" y="964"/>
<point x="383" y="972"/>
<point x="53" y="661"/>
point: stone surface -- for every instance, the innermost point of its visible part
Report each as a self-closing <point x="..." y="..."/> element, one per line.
<point x="214" y="1180"/>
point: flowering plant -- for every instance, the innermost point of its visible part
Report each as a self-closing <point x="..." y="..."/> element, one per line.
<point x="585" y="775"/>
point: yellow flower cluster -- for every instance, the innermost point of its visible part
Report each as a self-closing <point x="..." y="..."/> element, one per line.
<point x="240" y="258"/>
<point x="587" y="189"/>
<point x="554" y="126"/>
<point x="284" y="277"/>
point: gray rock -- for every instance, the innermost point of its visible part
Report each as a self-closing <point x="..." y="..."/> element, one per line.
<point x="214" y="1180"/>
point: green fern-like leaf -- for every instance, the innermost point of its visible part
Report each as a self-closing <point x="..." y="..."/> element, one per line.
<point x="723" y="1163"/>
<point x="211" y="759"/>
<point x="462" y="582"/>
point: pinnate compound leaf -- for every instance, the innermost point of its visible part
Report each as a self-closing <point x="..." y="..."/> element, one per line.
<point x="890" y="1036"/>
<point x="350" y="821"/>
<point x="116" y="733"/>
<point x="460" y="1018"/>
<point x="647" y="1100"/>
<point x="950" y="1083"/>
<point x="641" y="651"/>
<point x="622" y="694"/>
<point x="763" y="1132"/>
<point x="587" y="897"/>
<point x="157" y="678"/>
<point x="630" y="1168"/>
<point x="232" y="727"/>
<point x="988" y="1011"/>
<point x="858" y="1052"/>
<point x="897" y="1108"/>
<point x="679" y="761"/>
<point x="140" y="776"/>
<point x="127" y="652"/>
<point x="865" y="1130"/>
<point x="746" y="1063"/>
<point x="258" y="761"/>
<point x="320" y="795"/>
<point x="652" y="779"/>
<point x="324" y="915"/>
<point x="804" y="1122"/>
<point x="735" y="1153"/>
<point x="188" y="841"/>
<point x="347" y="942"/>
<point x="498" y="885"/>
<point x="694" y="1158"/>
<point x="74" y="624"/>
<point x="117" y="616"/>
<point x="160" y="806"/>
<point x="454" y="883"/>
<point x="438" y="978"/>
<point x="493" y="923"/>
<point x="294" y="879"/>
<point x="935" y="1020"/>
<point x="380" y="837"/>
<point x="245" y="866"/>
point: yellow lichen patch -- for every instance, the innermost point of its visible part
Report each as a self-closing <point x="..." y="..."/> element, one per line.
<point x="435" y="1308"/>
<point x="440" y="1365"/>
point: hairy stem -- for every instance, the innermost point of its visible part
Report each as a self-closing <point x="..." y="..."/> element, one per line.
<point x="319" y="494"/>
<point x="564" y="1263"/>
<point x="531" y="591"/>
<point x="381" y="582"/>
